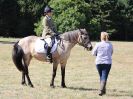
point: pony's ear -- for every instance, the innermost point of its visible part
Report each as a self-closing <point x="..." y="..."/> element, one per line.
<point x="85" y="31"/>
<point x="81" y="31"/>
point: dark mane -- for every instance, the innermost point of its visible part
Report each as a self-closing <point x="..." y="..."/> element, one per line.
<point x="70" y="36"/>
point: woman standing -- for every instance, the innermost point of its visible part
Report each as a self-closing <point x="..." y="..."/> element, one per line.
<point x="103" y="52"/>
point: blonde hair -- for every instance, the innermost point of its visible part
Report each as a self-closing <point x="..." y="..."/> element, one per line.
<point x="104" y="36"/>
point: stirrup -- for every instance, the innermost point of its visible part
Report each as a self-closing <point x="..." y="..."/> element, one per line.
<point x="49" y="58"/>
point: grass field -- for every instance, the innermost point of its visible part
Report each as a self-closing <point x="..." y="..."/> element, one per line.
<point x="81" y="76"/>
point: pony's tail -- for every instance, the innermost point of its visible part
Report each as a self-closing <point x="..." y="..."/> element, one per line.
<point x="17" y="56"/>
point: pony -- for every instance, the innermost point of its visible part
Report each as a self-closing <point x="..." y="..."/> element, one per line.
<point x="24" y="50"/>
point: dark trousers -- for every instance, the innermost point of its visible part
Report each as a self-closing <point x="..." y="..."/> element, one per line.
<point x="103" y="70"/>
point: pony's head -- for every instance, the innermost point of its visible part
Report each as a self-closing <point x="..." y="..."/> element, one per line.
<point x="84" y="39"/>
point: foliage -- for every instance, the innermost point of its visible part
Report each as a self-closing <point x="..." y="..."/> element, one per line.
<point x="8" y="17"/>
<point x="39" y="27"/>
<point x="68" y="17"/>
<point x="113" y="16"/>
<point x="30" y="12"/>
<point x="70" y="14"/>
<point x="19" y="18"/>
<point x="100" y="17"/>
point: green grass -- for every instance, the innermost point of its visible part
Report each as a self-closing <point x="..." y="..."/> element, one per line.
<point x="81" y="76"/>
<point x="8" y="39"/>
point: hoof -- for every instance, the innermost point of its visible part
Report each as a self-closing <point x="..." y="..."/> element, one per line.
<point x="64" y="86"/>
<point x="31" y="85"/>
<point x="52" y="86"/>
<point x="24" y="84"/>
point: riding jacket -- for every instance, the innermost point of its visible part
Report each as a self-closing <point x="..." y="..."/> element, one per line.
<point x="48" y="27"/>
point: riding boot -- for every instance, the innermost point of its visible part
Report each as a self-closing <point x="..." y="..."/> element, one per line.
<point x="49" y="55"/>
<point x="102" y="88"/>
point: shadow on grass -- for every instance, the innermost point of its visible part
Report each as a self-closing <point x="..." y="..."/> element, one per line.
<point x="82" y="89"/>
<point x="6" y="42"/>
<point x="110" y="92"/>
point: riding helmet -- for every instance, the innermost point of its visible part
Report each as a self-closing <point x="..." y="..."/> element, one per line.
<point x="48" y="9"/>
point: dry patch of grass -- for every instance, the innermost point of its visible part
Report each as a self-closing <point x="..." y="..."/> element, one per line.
<point x="81" y="76"/>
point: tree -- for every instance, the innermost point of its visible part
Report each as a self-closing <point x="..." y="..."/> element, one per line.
<point x="30" y="12"/>
<point x="68" y="14"/>
<point x="22" y="18"/>
<point x="17" y="17"/>
<point x="100" y="12"/>
<point x="122" y="19"/>
<point x="8" y="17"/>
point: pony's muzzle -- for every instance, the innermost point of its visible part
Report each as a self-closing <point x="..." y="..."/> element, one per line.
<point x="89" y="47"/>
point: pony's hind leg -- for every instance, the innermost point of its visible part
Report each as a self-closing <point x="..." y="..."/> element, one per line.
<point x="27" y="75"/>
<point x="26" y="64"/>
<point x="23" y="79"/>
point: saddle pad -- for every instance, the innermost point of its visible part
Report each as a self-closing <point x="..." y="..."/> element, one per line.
<point x="39" y="45"/>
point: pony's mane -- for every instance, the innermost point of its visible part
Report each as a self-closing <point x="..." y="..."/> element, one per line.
<point x="70" y="36"/>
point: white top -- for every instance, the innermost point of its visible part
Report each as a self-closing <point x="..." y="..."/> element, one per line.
<point x="103" y="52"/>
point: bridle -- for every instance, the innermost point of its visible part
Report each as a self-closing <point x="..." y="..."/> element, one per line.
<point x="83" y="41"/>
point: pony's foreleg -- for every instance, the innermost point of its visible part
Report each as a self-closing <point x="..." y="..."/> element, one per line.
<point x="63" y="76"/>
<point x="23" y="79"/>
<point x="55" y="64"/>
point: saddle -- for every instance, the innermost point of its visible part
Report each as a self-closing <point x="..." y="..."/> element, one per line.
<point x="49" y="42"/>
<point x="41" y="45"/>
<point x="47" y="46"/>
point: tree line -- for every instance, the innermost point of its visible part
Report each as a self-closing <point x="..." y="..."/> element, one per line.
<point x="20" y="18"/>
